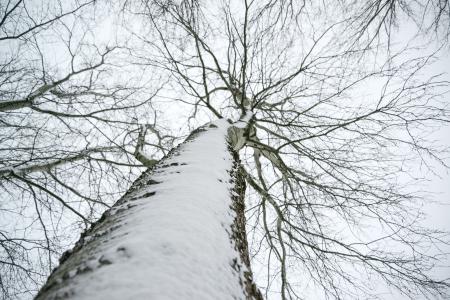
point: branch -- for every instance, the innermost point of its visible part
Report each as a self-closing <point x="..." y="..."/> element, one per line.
<point x="139" y="150"/>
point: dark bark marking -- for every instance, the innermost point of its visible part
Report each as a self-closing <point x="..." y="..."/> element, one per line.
<point x="151" y="182"/>
<point x="104" y="261"/>
<point x="148" y="194"/>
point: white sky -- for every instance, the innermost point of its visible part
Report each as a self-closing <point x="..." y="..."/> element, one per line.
<point x="439" y="215"/>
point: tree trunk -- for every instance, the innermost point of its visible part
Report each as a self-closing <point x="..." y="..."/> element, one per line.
<point x="178" y="233"/>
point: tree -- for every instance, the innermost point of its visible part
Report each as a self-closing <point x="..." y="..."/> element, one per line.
<point x="328" y="111"/>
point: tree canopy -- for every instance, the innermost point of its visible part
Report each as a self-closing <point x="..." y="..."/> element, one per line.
<point x="341" y="99"/>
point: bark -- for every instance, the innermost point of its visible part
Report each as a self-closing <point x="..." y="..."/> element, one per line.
<point x="102" y="264"/>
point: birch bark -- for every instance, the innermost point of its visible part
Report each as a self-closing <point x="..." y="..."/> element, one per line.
<point x="178" y="233"/>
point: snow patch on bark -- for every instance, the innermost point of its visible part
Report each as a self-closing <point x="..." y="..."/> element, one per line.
<point x="172" y="240"/>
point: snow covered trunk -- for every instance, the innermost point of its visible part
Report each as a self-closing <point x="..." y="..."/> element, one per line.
<point x="178" y="233"/>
